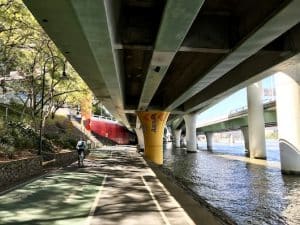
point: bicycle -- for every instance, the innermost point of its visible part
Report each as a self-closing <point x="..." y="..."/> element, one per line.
<point x="80" y="159"/>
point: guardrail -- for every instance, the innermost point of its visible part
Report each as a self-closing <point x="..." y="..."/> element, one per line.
<point x="104" y="117"/>
<point x="244" y="108"/>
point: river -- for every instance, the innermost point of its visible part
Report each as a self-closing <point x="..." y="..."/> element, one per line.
<point x="247" y="191"/>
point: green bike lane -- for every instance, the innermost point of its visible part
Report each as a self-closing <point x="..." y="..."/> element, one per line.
<point x="60" y="197"/>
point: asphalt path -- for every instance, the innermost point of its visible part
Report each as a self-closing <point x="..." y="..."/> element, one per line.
<point x="116" y="186"/>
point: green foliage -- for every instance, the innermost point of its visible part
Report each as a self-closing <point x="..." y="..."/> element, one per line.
<point x="7" y="150"/>
<point x="26" y="48"/>
<point x="62" y="132"/>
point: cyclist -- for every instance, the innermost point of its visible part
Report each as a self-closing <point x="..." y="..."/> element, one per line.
<point x="81" y="146"/>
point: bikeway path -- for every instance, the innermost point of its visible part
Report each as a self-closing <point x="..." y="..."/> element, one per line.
<point x="115" y="187"/>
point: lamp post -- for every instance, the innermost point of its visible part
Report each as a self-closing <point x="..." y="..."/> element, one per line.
<point x="42" y="97"/>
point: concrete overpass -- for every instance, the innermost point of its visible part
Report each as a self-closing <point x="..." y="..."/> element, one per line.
<point x="238" y="119"/>
<point x="151" y="57"/>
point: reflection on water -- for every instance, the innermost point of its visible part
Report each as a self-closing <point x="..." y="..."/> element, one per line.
<point x="272" y="147"/>
<point x="248" y="193"/>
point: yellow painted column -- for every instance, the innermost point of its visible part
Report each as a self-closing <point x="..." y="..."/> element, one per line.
<point x="153" y="123"/>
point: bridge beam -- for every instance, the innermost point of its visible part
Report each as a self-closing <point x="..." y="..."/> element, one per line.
<point x="245" y="132"/>
<point x="288" y="118"/>
<point x="209" y="136"/>
<point x="177" y="134"/>
<point x="153" y="123"/>
<point x="177" y="20"/>
<point x="256" y="124"/>
<point x="140" y="137"/>
<point x="190" y="125"/>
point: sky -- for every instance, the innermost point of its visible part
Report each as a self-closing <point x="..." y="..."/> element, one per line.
<point x="233" y="102"/>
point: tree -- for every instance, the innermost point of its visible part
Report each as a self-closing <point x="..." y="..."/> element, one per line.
<point x="26" y="48"/>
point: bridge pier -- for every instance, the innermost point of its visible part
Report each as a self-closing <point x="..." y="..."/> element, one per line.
<point x="153" y="123"/>
<point x="288" y="119"/>
<point x="209" y="136"/>
<point x="190" y="125"/>
<point x="177" y="134"/>
<point x="256" y="124"/>
<point x="245" y="132"/>
<point x="140" y="137"/>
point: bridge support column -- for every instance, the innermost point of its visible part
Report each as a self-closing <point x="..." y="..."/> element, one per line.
<point x="177" y="134"/>
<point x="209" y="136"/>
<point x="190" y="125"/>
<point x="256" y="124"/>
<point x="153" y="123"/>
<point x="140" y="137"/>
<point x="288" y="119"/>
<point x="245" y="133"/>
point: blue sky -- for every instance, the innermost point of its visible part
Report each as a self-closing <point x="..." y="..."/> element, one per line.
<point x="234" y="101"/>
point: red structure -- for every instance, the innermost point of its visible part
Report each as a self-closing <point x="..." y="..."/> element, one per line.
<point x="111" y="130"/>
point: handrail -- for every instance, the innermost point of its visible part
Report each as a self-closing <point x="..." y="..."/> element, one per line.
<point x="238" y="110"/>
<point x="104" y="117"/>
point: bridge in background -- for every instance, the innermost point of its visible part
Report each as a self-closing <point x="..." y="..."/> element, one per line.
<point x="238" y="119"/>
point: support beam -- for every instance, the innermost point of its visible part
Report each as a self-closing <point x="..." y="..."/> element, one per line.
<point x="177" y="20"/>
<point x="256" y="124"/>
<point x="285" y="18"/>
<point x="140" y="137"/>
<point x="153" y="123"/>
<point x="177" y="134"/>
<point x="190" y="130"/>
<point x="245" y="132"/>
<point x="209" y="141"/>
<point x="288" y="117"/>
<point x="97" y="20"/>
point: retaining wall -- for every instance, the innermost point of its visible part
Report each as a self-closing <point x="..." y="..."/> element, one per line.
<point x="18" y="170"/>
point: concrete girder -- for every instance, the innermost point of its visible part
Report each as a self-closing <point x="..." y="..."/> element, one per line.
<point x="91" y="56"/>
<point x="177" y="123"/>
<point x="98" y="20"/>
<point x="218" y="92"/>
<point x="177" y="19"/>
<point x="75" y="49"/>
<point x="257" y="67"/>
<point x="282" y="21"/>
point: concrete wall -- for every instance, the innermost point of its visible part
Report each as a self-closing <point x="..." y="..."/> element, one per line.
<point x="63" y="158"/>
<point x="18" y="170"/>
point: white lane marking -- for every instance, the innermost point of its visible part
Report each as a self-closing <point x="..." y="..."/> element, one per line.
<point x="94" y="206"/>
<point x="188" y="219"/>
<point x="111" y="154"/>
<point x="165" y="219"/>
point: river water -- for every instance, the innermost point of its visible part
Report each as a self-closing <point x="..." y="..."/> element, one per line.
<point x="247" y="191"/>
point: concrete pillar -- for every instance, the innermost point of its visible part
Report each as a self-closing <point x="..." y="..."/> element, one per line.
<point x="140" y="137"/>
<point x="177" y="134"/>
<point x="153" y="123"/>
<point x="288" y="119"/>
<point x="245" y="132"/>
<point x="209" y="136"/>
<point x="183" y="140"/>
<point x="190" y="127"/>
<point x="256" y="123"/>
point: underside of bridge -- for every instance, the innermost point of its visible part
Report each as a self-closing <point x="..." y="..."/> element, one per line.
<point x="177" y="56"/>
